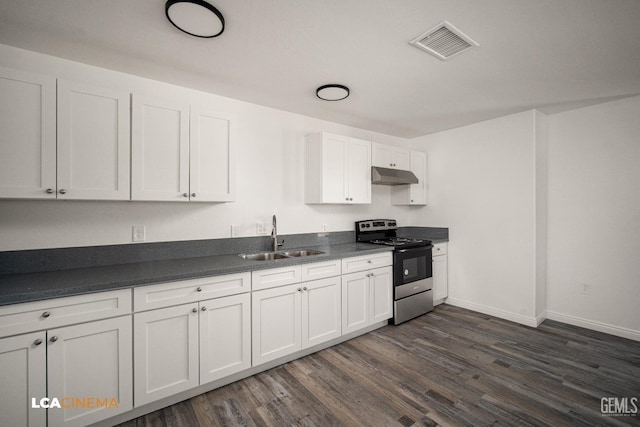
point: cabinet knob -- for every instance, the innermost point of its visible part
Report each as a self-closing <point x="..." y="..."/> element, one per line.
<point x="304" y="289"/>
<point x="299" y="289"/>
<point x="37" y="342"/>
<point x="351" y="199"/>
<point x="193" y="194"/>
<point x="185" y="194"/>
<point x="46" y="314"/>
<point x="194" y="310"/>
<point x="203" y="308"/>
<point x="53" y="339"/>
<point x="369" y="261"/>
<point x="347" y="199"/>
<point x="49" y="191"/>
<point x="63" y="191"/>
<point x="199" y="289"/>
<point x="411" y="200"/>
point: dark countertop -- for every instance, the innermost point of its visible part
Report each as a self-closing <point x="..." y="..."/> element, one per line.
<point x="26" y="287"/>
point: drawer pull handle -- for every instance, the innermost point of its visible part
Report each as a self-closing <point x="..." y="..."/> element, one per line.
<point x="53" y="339"/>
<point x="199" y="289"/>
<point x="49" y="191"/>
<point x="37" y="342"/>
<point x="193" y="194"/>
<point x="203" y="308"/>
<point x="194" y="310"/>
<point x="63" y="191"/>
<point x="46" y="314"/>
<point x="185" y="194"/>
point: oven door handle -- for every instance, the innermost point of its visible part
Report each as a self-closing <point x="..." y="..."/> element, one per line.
<point x="418" y="249"/>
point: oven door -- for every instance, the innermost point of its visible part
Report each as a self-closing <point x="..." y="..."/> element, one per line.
<point x="410" y="265"/>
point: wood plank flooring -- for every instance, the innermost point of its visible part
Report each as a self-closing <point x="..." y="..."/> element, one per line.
<point x="451" y="367"/>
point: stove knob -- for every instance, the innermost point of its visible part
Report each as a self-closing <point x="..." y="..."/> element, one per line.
<point x="406" y="272"/>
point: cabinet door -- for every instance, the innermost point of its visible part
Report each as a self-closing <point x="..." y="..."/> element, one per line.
<point x="401" y="158"/>
<point x="359" y="171"/>
<point x="165" y="352"/>
<point x="334" y="168"/>
<point x="93" y="142"/>
<point x="381" y="155"/>
<point x="23" y="372"/>
<point x="159" y="149"/>
<point x="90" y="360"/>
<point x="418" y="192"/>
<point x="225" y="336"/>
<point x="381" y="295"/>
<point x="355" y="301"/>
<point x="212" y="172"/>
<point x="276" y="329"/>
<point x="440" y="278"/>
<point x="28" y="137"/>
<point x="321" y="311"/>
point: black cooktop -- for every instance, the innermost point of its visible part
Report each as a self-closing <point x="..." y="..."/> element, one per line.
<point x="383" y="232"/>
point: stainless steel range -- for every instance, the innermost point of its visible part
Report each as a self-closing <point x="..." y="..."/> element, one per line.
<point x="412" y="271"/>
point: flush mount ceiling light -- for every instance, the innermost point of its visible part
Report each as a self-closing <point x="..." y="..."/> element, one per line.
<point x="332" y="92"/>
<point x="195" y="17"/>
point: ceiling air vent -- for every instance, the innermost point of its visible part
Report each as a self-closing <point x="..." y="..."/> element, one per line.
<point x="444" y="41"/>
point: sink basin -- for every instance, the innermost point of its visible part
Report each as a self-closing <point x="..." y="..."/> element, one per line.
<point x="264" y="256"/>
<point x="300" y="253"/>
<point x="270" y="256"/>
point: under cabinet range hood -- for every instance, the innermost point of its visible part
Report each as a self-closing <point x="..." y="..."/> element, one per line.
<point x="386" y="176"/>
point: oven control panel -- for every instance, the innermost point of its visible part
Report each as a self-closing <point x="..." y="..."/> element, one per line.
<point x="376" y="225"/>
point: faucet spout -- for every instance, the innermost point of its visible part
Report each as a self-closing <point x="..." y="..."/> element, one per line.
<point x="274" y="234"/>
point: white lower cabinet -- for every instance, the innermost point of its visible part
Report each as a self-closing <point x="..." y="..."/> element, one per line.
<point x="293" y="317"/>
<point x="90" y="362"/>
<point x="165" y="352"/>
<point x="85" y="367"/>
<point x="179" y="348"/>
<point x="23" y="364"/>
<point x="440" y="273"/>
<point x="225" y="336"/>
<point x="366" y="298"/>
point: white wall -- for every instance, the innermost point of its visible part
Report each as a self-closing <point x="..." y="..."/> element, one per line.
<point x="270" y="178"/>
<point x="482" y="185"/>
<point x="594" y="217"/>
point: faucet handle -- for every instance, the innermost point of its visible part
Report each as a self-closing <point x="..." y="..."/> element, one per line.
<point x="280" y="243"/>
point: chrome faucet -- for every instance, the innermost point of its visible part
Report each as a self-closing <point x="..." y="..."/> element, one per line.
<point x="274" y="235"/>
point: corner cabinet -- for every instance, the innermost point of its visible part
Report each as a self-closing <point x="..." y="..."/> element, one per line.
<point x="180" y="152"/>
<point x="413" y="194"/>
<point x="338" y="169"/>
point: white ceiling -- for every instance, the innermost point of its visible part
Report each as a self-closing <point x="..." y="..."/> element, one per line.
<point x="547" y="54"/>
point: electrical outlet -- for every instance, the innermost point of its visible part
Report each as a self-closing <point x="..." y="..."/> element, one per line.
<point x="324" y="227"/>
<point x="260" y="230"/>
<point x="138" y="233"/>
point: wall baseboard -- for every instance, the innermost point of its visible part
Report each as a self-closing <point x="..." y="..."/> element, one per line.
<point x="506" y="315"/>
<point x="594" y="325"/>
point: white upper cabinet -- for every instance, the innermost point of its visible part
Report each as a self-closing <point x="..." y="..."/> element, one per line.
<point x="388" y="156"/>
<point x="93" y="142"/>
<point x="338" y="169"/>
<point x="28" y="137"/>
<point x="413" y="194"/>
<point x="159" y="149"/>
<point x="180" y="152"/>
<point x="212" y="177"/>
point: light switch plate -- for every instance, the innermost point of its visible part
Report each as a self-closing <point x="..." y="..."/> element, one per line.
<point x="138" y="233"/>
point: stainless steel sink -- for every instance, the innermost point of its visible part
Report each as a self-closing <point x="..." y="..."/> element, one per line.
<point x="264" y="256"/>
<point x="301" y="253"/>
<point x="270" y="256"/>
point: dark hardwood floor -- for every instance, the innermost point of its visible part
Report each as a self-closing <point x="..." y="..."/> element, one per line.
<point x="449" y="367"/>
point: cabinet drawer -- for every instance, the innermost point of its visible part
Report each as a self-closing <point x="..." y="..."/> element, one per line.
<point x="38" y="315"/>
<point x="321" y="270"/>
<point x="186" y="291"/>
<point x="264" y="279"/>
<point x="439" y="249"/>
<point x="366" y="262"/>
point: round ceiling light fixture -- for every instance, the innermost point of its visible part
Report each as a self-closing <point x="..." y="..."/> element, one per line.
<point x="195" y="17"/>
<point x="332" y="92"/>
